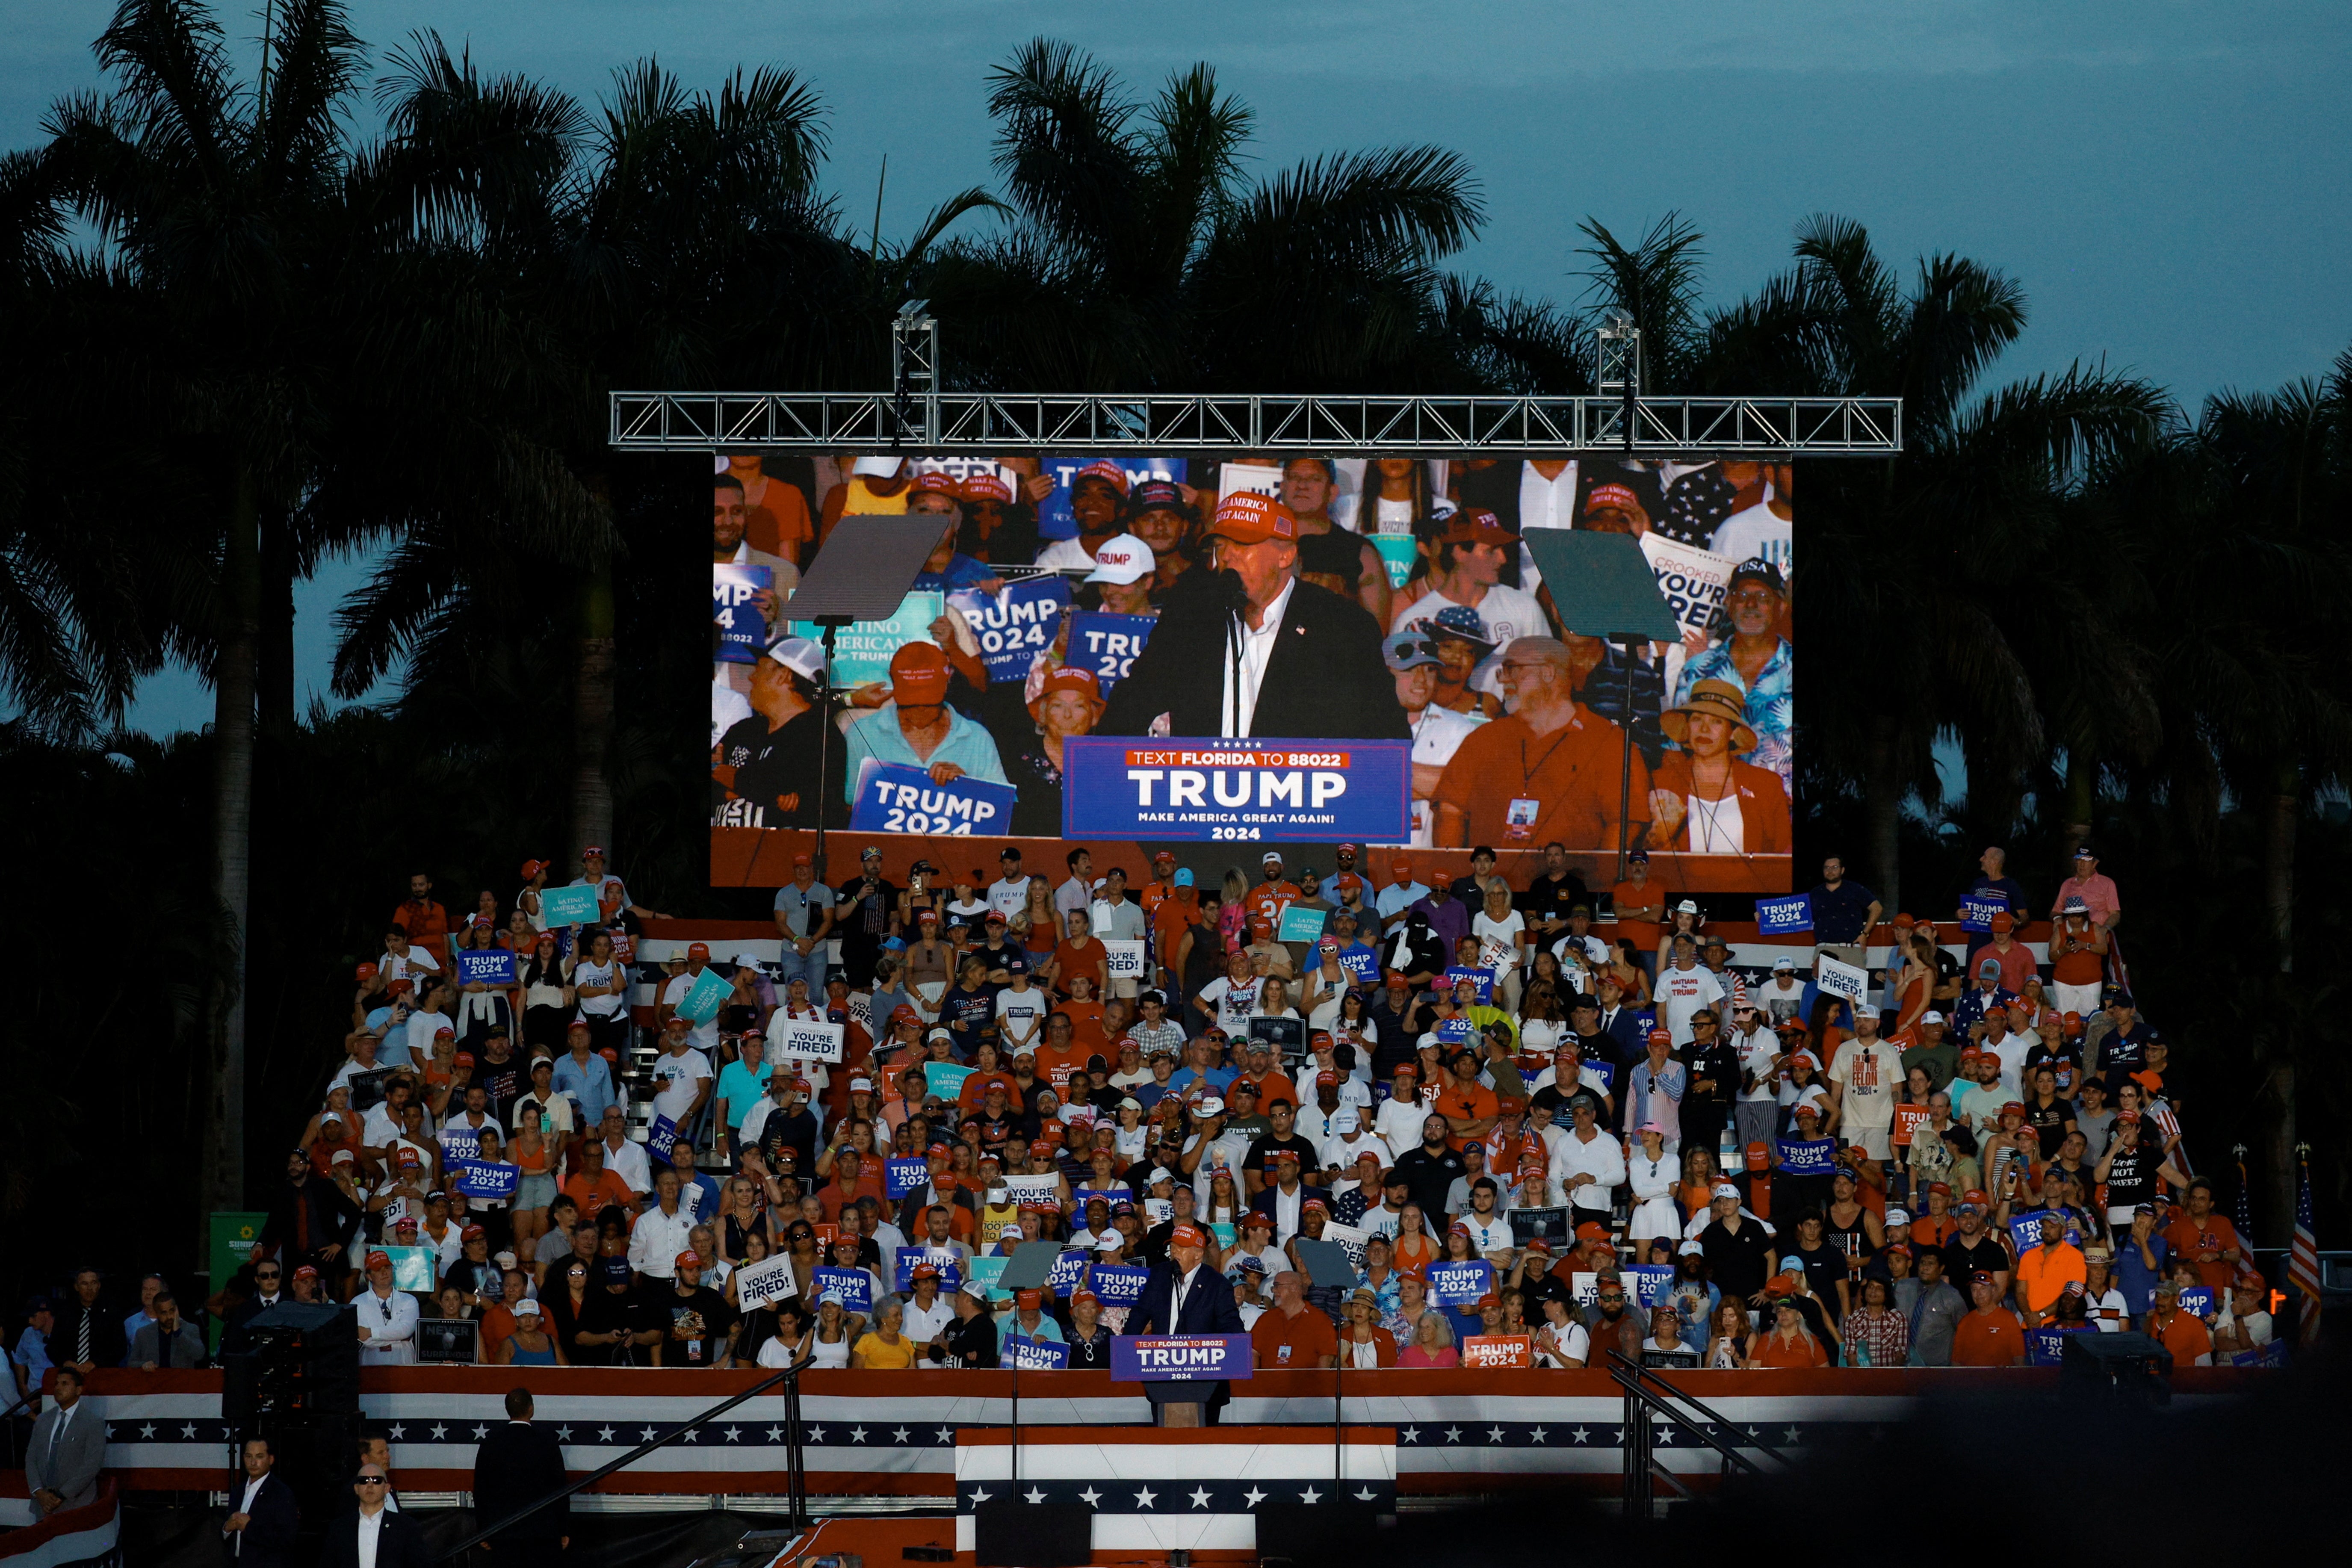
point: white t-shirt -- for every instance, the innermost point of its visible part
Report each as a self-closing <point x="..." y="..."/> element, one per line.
<point x="1024" y="1012"/>
<point x="1755" y="1054"/>
<point x="1498" y="947"/>
<point x="1756" y="532"/>
<point x="1780" y="999"/>
<point x="678" y="1076"/>
<point x="414" y="965"/>
<point x="1683" y="991"/>
<point x="1233" y="1004"/>
<point x="728" y="709"/>
<point x="1437" y="734"/>
<point x="1009" y="896"/>
<point x="1869" y="1076"/>
<point x="589" y="973"/>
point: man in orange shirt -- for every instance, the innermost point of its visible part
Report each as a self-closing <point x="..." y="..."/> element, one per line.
<point x="1469" y="1107"/>
<point x="1266" y="901"/>
<point x="1990" y="1335"/>
<point x="425" y="921"/>
<point x="2191" y="1343"/>
<point x="1549" y="769"/>
<point x="595" y="1183"/>
<point x="1272" y="1083"/>
<point x="1291" y="1335"/>
<point x="1641" y="906"/>
<point x="2045" y="1271"/>
<point x="1060" y="1056"/>
<point x="2205" y="1238"/>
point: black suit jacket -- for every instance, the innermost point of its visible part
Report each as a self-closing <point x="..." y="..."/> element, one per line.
<point x="1208" y="1306"/>
<point x="518" y="1464"/>
<point x="401" y="1544"/>
<point x="1325" y="678"/>
<point x="269" y="1533"/>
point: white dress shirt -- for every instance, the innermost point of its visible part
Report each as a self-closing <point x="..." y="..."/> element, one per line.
<point x="628" y="1162"/>
<point x="656" y="1239"/>
<point x="370" y="1531"/>
<point x="1257" y="649"/>
<point x="391" y="1323"/>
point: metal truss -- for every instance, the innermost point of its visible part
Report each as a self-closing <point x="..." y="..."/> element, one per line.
<point x="932" y="421"/>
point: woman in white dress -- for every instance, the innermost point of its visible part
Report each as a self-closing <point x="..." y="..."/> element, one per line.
<point x="1653" y="1173"/>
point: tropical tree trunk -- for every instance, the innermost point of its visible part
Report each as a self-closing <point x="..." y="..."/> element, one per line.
<point x="234" y="675"/>
<point x="2082" y="800"/>
<point x="274" y="678"/>
<point x="2275" y="1178"/>
<point x="593" y="703"/>
<point x="1881" y="812"/>
<point x="2278" y="860"/>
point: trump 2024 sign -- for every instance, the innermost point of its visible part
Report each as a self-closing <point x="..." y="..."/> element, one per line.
<point x="1124" y="787"/>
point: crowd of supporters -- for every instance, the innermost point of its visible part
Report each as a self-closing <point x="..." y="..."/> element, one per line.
<point x="1631" y="1142"/>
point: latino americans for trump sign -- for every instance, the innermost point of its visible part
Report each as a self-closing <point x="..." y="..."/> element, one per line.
<point x="1207" y="791"/>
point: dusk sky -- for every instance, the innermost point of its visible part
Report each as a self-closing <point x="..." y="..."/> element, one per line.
<point x="2172" y="184"/>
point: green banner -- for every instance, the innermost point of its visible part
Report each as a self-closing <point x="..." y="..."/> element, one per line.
<point x="233" y="1239"/>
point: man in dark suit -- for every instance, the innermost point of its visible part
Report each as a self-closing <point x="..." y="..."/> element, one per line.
<point x="1250" y="650"/>
<point x="1185" y="1296"/>
<point x="398" y="1539"/>
<point x="260" y="1529"/>
<point x="89" y="1332"/>
<point x="517" y="1465"/>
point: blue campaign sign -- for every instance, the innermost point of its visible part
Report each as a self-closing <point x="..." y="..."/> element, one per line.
<point x="1815" y="1157"/>
<point x="855" y="1285"/>
<point x="1453" y="1031"/>
<point x="1256" y="790"/>
<point x="1108" y="645"/>
<point x="950" y="1271"/>
<point x="1362" y="965"/>
<point x="1054" y="520"/>
<point x="661" y="1137"/>
<point x="486" y="1179"/>
<point x="862" y="651"/>
<point x="1648" y="1282"/>
<point x="1460" y="1284"/>
<point x="1015" y="626"/>
<point x="1482" y="978"/>
<point x="900" y="1177"/>
<point x="1780" y="917"/>
<point x="2044" y="1347"/>
<point x="896" y="799"/>
<point x="706" y="997"/>
<point x="2025" y="1231"/>
<point x="1068" y="1269"/>
<point x="1036" y="1355"/>
<point x="484" y="965"/>
<point x="734" y="593"/>
<point x="567" y="906"/>
<point x="2197" y="1302"/>
<point x="1155" y="1358"/>
<point x="1977" y="910"/>
<point x="1119" y="1284"/>
<point x="1605" y="1070"/>
<point x="1299" y="925"/>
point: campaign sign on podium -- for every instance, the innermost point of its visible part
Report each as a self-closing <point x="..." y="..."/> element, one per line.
<point x="1156" y="1358"/>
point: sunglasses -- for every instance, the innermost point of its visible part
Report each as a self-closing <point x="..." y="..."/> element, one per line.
<point x="370" y="1481"/>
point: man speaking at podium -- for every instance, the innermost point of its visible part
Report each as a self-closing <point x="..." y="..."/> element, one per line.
<point x="1245" y="649"/>
<point x="1184" y="1295"/>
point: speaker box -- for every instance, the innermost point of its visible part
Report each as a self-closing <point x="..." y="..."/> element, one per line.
<point x="1009" y="1533"/>
<point x="318" y="1453"/>
<point x="2127" y="1368"/>
<point x="1333" y="1531"/>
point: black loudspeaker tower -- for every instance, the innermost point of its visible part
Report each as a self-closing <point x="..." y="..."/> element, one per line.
<point x="2126" y="1369"/>
<point x="304" y="1360"/>
<point x="318" y="1454"/>
<point x="1009" y="1533"/>
<point x="1336" y="1530"/>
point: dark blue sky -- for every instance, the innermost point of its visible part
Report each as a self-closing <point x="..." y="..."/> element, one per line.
<point x="2171" y="183"/>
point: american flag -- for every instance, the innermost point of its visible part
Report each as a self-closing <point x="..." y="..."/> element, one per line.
<point x="2303" y="1261"/>
<point x="2244" y="1219"/>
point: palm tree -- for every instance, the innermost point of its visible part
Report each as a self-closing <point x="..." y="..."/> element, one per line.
<point x="217" y="204"/>
<point x="1143" y="257"/>
<point x="1915" y="559"/>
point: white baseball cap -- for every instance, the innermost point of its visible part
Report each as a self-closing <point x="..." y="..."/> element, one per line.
<point x="1123" y="558"/>
<point x="802" y="656"/>
<point x="883" y="467"/>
